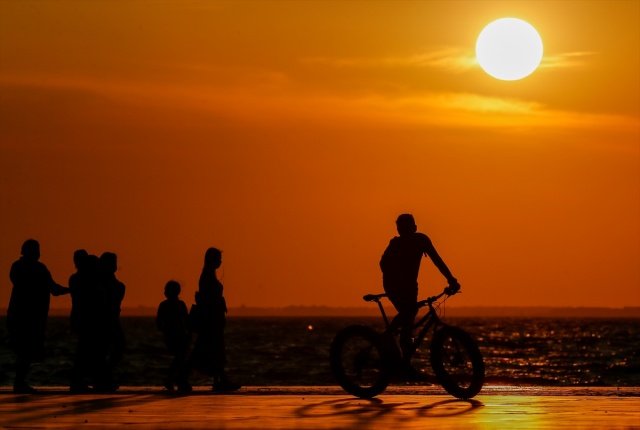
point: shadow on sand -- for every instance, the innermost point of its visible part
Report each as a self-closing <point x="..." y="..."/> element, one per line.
<point x="33" y="411"/>
<point x="365" y="410"/>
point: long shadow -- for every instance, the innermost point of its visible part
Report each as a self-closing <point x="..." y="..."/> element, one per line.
<point x="366" y="410"/>
<point x="439" y="409"/>
<point x="69" y="404"/>
<point x="31" y="410"/>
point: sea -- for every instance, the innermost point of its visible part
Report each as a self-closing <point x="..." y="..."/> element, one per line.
<point x="288" y="351"/>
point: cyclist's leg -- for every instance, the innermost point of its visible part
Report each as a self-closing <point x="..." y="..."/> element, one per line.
<point x="407" y="308"/>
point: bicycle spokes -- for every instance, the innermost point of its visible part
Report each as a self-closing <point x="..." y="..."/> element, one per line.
<point x="457" y="362"/>
<point x="362" y="361"/>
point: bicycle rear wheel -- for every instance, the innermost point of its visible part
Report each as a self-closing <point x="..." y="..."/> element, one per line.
<point x="457" y="362"/>
<point x="359" y="362"/>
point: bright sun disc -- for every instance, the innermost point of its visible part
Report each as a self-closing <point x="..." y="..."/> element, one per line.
<point x="509" y="49"/>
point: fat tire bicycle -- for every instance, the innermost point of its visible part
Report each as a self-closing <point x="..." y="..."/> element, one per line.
<point x="363" y="361"/>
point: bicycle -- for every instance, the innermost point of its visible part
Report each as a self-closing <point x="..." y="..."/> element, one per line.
<point x="363" y="361"/>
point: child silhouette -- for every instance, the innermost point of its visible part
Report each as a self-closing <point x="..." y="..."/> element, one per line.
<point x="172" y="321"/>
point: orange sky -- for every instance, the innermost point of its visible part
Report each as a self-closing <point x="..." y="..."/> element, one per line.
<point x="291" y="135"/>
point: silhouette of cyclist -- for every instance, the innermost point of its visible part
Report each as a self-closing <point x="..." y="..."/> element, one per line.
<point x="400" y="264"/>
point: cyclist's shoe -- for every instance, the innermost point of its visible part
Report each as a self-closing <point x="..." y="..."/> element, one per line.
<point x="411" y="374"/>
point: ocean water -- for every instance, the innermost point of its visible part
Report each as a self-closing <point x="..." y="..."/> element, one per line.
<point x="295" y="351"/>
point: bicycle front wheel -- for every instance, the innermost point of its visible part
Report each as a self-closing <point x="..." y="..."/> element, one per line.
<point x="457" y="362"/>
<point x="359" y="362"/>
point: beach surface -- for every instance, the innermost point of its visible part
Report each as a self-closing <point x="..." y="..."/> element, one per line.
<point x="496" y="407"/>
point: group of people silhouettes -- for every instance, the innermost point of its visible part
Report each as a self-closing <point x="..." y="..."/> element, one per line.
<point x="96" y="296"/>
<point x="207" y="318"/>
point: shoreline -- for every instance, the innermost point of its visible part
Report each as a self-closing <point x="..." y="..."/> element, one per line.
<point x="334" y="390"/>
<point x="548" y="312"/>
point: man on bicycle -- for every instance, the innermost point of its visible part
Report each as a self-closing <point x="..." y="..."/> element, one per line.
<point x="400" y="264"/>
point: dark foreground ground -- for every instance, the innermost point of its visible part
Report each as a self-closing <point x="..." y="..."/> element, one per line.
<point x="301" y="408"/>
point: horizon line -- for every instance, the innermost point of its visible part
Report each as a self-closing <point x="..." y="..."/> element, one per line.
<point x="364" y="311"/>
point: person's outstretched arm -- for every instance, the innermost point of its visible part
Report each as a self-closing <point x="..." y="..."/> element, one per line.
<point x="430" y="251"/>
<point x="54" y="288"/>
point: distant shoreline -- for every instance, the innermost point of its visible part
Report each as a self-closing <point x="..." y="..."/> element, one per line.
<point x="393" y="389"/>
<point x="326" y="311"/>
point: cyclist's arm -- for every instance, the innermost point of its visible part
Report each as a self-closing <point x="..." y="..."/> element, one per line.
<point x="431" y="252"/>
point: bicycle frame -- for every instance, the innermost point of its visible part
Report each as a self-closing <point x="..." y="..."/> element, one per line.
<point x="365" y="361"/>
<point x="429" y="320"/>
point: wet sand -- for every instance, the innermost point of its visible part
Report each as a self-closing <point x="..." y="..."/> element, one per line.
<point x="325" y="408"/>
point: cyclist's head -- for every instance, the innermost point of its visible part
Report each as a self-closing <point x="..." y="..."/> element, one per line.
<point x="406" y="224"/>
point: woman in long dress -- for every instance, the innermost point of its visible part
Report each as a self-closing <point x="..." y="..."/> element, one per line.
<point x="209" y="350"/>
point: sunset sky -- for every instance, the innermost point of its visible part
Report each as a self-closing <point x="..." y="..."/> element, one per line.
<point x="290" y="134"/>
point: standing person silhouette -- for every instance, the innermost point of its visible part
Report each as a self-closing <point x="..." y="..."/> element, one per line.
<point x="172" y="320"/>
<point x="400" y="264"/>
<point x="28" y="310"/>
<point x="209" y="350"/>
<point x="115" y="342"/>
<point x="80" y="258"/>
<point x="82" y="286"/>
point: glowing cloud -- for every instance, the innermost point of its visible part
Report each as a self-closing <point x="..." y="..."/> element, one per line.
<point x="451" y="59"/>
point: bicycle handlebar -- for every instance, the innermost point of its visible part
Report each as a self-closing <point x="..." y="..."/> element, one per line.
<point x="430" y="300"/>
<point x="376" y="297"/>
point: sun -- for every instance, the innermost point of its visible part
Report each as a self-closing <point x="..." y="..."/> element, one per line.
<point x="509" y="49"/>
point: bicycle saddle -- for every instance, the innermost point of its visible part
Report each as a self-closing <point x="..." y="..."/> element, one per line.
<point x="373" y="297"/>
